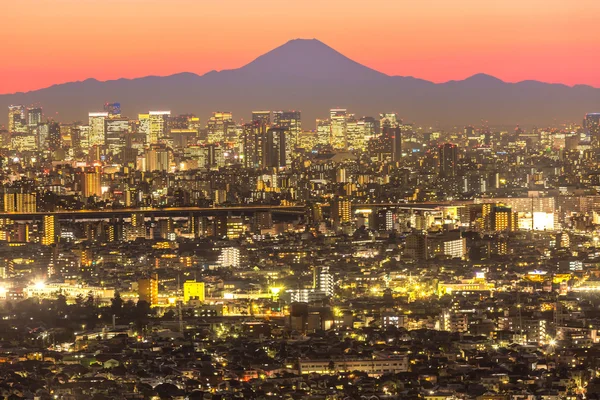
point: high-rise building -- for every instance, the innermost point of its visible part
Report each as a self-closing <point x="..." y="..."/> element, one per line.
<point x="218" y="126"/>
<point x="148" y="290"/>
<point x="54" y="140"/>
<point x="276" y="155"/>
<point x="254" y="143"/>
<point x="502" y="218"/>
<point x="34" y="117"/>
<point x="292" y="122"/>
<point x="389" y="120"/>
<point x="115" y="130"/>
<point x="341" y="212"/>
<point x="263" y="117"/>
<point x="157" y="159"/>
<point x="158" y="126"/>
<point x="50" y="230"/>
<point x="591" y="123"/>
<point x="448" y="157"/>
<point x="339" y="140"/>
<point x="90" y="183"/>
<point x="323" y="132"/>
<point x="323" y="280"/>
<point x="16" y="119"/>
<point x="97" y="133"/>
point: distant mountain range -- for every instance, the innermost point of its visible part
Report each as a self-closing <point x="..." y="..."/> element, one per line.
<point x="308" y="75"/>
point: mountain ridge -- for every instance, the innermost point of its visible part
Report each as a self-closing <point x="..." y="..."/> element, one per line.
<point x="309" y="75"/>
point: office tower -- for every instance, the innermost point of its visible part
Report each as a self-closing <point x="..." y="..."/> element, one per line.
<point x="113" y="110"/>
<point x="254" y="141"/>
<point x="20" y="199"/>
<point x="276" y="155"/>
<point x="34" y="117"/>
<point x="96" y="135"/>
<point x="591" y="123"/>
<point x="16" y="119"/>
<point x="218" y="126"/>
<point x="323" y="280"/>
<point x="115" y="131"/>
<point x="447" y="159"/>
<point x="323" y="132"/>
<point x="41" y="135"/>
<point x="157" y="159"/>
<point x="292" y="122"/>
<point x="80" y="138"/>
<point x="54" y="139"/>
<point x="389" y="120"/>
<point x="91" y="183"/>
<point x="166" y="229"/>
<point x="394" y="140"/>
<point x="148" y="290"/>
<point x="50" y="230"/>
<point x="263" y="117"/>
<point x="339" y="140"/>
<point x="158" y="126"/>
<point x="193" y="290"/>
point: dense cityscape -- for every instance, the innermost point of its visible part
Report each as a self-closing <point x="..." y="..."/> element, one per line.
<point x="164" y="257"/>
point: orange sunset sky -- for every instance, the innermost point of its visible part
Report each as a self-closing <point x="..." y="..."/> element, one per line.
<point x="53" y="41"/>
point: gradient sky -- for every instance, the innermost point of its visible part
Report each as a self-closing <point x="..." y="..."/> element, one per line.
<point x="53" y="41"/>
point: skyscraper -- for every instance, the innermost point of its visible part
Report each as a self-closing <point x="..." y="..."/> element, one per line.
<point x="218" y="126"/>
<point x="591" y="123"/>
<point x="158" y="126"/>
<point x="34" y="117"/>
<point x="276" y="149"/>
<point x="291" y="121"/>
<point x="16" y="119"/>
<point x="323" y="132"/>
<point x="339" y="140"/>
<point x="54" y="141"/>
<point x="97" y="133"/>
<point x="254" y="141"/>
<point x="264" y="117"/>
<point x="447" y="158"/>
<point x="115" y="131"/>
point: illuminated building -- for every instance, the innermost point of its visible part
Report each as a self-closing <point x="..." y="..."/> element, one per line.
<point x="116" y="129"/>
<point x="54" y="140"/>
<point x="235" y="227"/>
<point x="157" y="159"/>
<point x="50" y="230"/>
<point x="276" y="155"/>
<point x="218" y="126"/>
<point x="71" y="292"/>
<point x="374" y="366"/>
<point x="158" y="126"/>
<point x="323" y="280"/>
<point x="262" y="117"/>
<point x="97" y="128"/>
<point x="16" y="119"/>
<point x="358" y="133"/>
<point x="339" y="140"/>
<point x="416" y="246"/>
<point x="148" y="290"/>
<point x="229" y="257"/>
<point x="591" y="123"/>
<point x="502" y="218"/>
<point x="389" y="120"/>
<point x="90" y="183"/>
<point x="20" y="200"/>
<point x="193" y="290"/>
<point x="254" y="142"/>
<point x="23" y="142"/>
<point x="341" y="212"/>
<point x="137" y="228"/>
<point x="323" y="132"/>
<point x="292" y="123"/>
<point x="448" y="157"/>
<point x="34" y="117"/>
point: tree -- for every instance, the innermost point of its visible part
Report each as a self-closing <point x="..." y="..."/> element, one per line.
<point x="116" y="305"/>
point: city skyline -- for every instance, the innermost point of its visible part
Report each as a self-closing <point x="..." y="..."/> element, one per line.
<point x="511" y="41"/>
